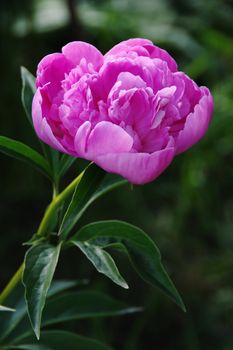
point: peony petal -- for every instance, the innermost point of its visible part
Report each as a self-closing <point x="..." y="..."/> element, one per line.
<point x="77" y="50"/>
<point x="196" y="123"/>
<point x="191" y="95"/>
<point x="137" y="168"/>
<point x="141" y="67"/>
<point x="163" y="55"/>
<point x="52" y="69"/>
<point x="155" y="140"/>
<point x="41" y="125"/>
<point x="153" y="51"/>
<point x="130" y="81"/>
<point x="108" y="138"/>
<point x="125" y="45"/>
<point x="104" y="138"/>
<point x="80" y="141"/>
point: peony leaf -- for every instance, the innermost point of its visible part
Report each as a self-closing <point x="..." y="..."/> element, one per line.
<point x="142" y="251"/>
<point x="16" y="322"/>
<point x="5" y="308"/>
<point x="28" y="91"/>
<point x="89" y="183"/>
<point x="10" y="320"/>
<point x="83" y="305"/>
<point x="23" y="152"/>
<point x="65" y="163"/>
<point x="60" y="340"/>
<point x="102" y="261"/>
<point x="59" y="286"/>
<point x="93" y="185"/>
<point x="109" y="183"/>
<point x="40" y="264"/>
<point x="74" y="306"/>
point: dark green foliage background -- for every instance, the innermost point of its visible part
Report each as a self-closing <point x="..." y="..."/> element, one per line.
<point x="188" y="211"/>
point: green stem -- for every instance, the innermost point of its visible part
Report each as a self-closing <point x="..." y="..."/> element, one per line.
<point x="42" y="231"/>
<point x="54" y="205"/>
<point x="12" y="284"/>
<point x="55" y="190"/>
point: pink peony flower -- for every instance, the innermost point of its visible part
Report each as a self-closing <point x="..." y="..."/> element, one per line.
<point x="129" y="111"/>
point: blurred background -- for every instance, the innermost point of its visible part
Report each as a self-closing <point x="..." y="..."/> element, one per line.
<point x="188" y="211"/>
